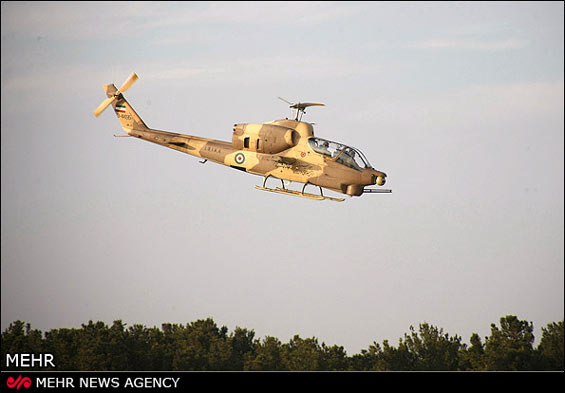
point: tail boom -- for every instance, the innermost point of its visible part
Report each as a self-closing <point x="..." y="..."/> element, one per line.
<point x="210" y="149"/>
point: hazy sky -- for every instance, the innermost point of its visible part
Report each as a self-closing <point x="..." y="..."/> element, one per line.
<point x="461" y="104"/>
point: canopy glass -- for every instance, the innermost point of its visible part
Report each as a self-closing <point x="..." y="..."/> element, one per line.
<point x="343" y="154"/>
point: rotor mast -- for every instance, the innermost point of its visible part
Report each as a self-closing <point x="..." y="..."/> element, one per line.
<point x="300" y="107"/>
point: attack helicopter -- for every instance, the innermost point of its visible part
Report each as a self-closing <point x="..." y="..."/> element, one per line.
<point x="283" y="149"/>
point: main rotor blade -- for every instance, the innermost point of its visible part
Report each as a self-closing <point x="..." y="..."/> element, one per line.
<point x="303" y="105"/>
<point x="103" y="106"/>
<point x="288" y="102"/>
<point x="311" y="104"/>
<point x="127" y="84"/>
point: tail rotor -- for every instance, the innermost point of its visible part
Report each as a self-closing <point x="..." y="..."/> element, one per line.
<point x="127" y="84"/>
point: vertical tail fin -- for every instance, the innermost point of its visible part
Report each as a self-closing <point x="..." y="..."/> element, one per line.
<point x="126" y="115"/>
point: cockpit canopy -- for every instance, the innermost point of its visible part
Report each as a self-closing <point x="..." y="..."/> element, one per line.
<point x="346" y="155"/>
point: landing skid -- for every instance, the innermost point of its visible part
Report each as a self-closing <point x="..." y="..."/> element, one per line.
<point x="302" y="194"/>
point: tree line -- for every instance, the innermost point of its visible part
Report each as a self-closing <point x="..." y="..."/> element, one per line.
<point x="203" y="346"/>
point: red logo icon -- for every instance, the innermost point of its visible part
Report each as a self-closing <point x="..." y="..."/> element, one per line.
<point x="17" y="383"/>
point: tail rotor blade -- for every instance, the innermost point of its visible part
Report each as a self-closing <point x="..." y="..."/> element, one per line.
<point x="127" y="84"/>
<point x="103" y="106"/>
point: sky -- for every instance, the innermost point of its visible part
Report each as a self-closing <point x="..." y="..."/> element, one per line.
<point x="461" y="104"/>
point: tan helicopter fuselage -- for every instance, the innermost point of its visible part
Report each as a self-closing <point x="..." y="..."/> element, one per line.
<point x="278" y="149"/>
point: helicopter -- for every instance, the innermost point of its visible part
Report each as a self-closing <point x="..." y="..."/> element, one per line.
<point x="283" y="149"/>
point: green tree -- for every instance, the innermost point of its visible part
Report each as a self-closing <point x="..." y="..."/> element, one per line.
<point x="302" y="354"/>
<point x="390" y="358"/>
<point x="473" y="358"/>
<point x="433" y="350"/>
<point x="169" y="343"/>
<point x="202" y="346"/>
<point x="551" y="347"/>
<point x="117" y="348"/>
<point x="334" y="358"/>
<point x="510" y="347"/>
<point x="64" y="345"/>
<point x="145" y="348"/>
<point x="242" y="347"/>
<point x="268" y="356"/>
<point x="19" y="337"/>
<point x="366" y="360"/>
<point x="93" y="347"/>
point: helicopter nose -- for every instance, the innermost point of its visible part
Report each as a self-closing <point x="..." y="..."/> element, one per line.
<point x="378" y="178"/>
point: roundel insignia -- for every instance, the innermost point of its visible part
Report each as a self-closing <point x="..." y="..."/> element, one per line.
<point x="239" y="158"/>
